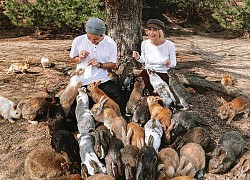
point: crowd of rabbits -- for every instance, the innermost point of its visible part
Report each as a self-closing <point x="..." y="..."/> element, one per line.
<point x="160" y="137"/>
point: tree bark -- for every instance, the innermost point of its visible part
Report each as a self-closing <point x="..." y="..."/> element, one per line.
<point x="124" y="19"/>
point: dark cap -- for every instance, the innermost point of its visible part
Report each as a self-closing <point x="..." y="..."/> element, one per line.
<point x="95" y="26"/>
<point x="155" y="23"/>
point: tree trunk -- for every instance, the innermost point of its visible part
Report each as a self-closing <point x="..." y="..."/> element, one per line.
<point x="124" y="19"/>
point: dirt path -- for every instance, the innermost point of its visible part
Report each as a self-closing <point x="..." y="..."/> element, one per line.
<point x="205" y="56"/>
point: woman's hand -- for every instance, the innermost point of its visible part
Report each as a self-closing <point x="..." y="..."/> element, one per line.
<point x="167" y="62"/>
<point x="136" y="55"/>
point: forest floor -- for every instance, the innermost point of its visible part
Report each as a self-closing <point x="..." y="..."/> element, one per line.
<point x="201" y="55"/>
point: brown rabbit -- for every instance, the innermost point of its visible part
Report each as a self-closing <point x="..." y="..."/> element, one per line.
<point x="230" y="109"/>
<point x="226" y="80"/>
<point x="19" y="67"/>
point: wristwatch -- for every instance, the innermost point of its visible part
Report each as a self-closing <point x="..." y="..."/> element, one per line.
<point x="100" y="65"/>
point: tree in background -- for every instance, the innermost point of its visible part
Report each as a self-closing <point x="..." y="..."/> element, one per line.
<point x="232" y="14"/>
<point x="124" y="20"/>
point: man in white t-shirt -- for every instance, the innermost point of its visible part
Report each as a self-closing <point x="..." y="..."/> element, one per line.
<point x="97" y="53"/>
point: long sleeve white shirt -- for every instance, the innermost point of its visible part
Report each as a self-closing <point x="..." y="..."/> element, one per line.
<point x="155" y="56"/>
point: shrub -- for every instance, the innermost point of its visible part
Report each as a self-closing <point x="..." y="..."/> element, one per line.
<point x="53" y="14"/>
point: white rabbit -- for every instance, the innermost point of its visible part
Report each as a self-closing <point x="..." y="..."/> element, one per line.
<point x="9" y="110"/>
<point x="45" y="62"/>
<point x="155" y="129"/>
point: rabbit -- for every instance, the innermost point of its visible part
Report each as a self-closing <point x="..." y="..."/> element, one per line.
<point x="183" y="121"/>
<point x="196" y="135"/>
<point x="135" y="133"/>
<point x="113" y="159"/>
<point x="113" y="76"/>
<point x="44" y="163"/>
<point x="229" y="109"/>
<point x="88" y="157"/>
<point x="179" y="90"/>
<point x="85" y="119"/>
<point x="226" y="80"/>
<point x="227" y="152"/>
<point x="147" y="163"/>
<point x="242" y="170"/>
<point x="102" y="140"/>
<point x="9" y="110"/>
<point x="168" y="163"/>
<point x="68" y="96"/>
<point x="141" y="113"/>
<point x="19" y="67"/>
<point x="100" y="176"/>
<point x="161" y="88"/>
<point x="56" y="118"/>
<point x="192" y="161"/>
<point x="129" y="156"/>
<point x="183" y="178"/>
<point x="135" y="96"/>
<point x="96" y="94"/>
<point x="45" y="62"/>
<point x="63" y="140"/>
<point x="155" y="129"/>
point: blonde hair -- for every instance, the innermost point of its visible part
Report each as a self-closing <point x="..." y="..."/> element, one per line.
<point x="161" y="35"/>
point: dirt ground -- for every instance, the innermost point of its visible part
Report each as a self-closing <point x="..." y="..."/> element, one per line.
<point x="208" y="57"/>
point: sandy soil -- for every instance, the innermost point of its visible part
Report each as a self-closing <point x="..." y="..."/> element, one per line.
<point x="208" y="57"/>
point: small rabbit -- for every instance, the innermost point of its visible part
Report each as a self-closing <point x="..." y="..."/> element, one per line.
<point x="44" y="163"/>
<point x="141" y="114"/>
<point x="169" y="162"/>
<point x="161" y="88"/>
<point x="85" y="119"/>
<point x="113" y="159"/>
<point x="227" y="152"/>
<point x="19" y="67"/>
<point x="129" y="156"/>
<point x="102" y="140"/>
<point x="226" y="80"/>
<point x="45" y="62"/>
<point x="229" y="109"/>
<point x="192" y="161"/>
<point x="183" y="121"/>
<point x="147" y="163"/>
<point x="56" y="118"/>
<point x="242" y="170"/>
<point x="179" y="90"/>
<point x="155" y="129"/>
<point x="9" y="110"/>
<point x="88" y="157"/>
<point x="196" y="135"/>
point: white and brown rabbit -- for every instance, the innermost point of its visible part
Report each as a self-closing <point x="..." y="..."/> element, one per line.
<point x="226" y="80"/>
<point x="9" y="110"/>
<point x="19" y="67"/>
<point x="229" y="109"/>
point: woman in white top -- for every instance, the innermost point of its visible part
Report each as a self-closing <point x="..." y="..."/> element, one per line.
<point x="156" y="52"/>
<point x="97" y="53"/>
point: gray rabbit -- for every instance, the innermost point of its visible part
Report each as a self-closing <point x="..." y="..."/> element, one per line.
<point x="179" y="90"/>
<point x="84" y="117"/>
<point x="227" y="152"/>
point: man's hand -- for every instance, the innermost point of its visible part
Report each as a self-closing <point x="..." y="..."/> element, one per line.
<point x="83" y="55"/>
<point x="94" y="62"/>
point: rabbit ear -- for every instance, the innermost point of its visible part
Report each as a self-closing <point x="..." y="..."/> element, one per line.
<point x="14" y="106"/>
<point x="151" y="140"/>
<point x="84" y="171"/>
<point x="223" y="101"/>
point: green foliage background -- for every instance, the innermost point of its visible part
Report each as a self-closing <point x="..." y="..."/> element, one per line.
<point x="53" y="14"/>
<point x="67" y="15"/>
